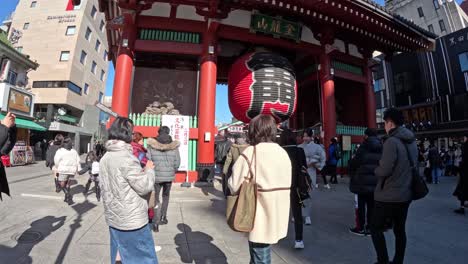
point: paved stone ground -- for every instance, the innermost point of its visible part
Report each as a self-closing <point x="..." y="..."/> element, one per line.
<point x="50" y="231"/>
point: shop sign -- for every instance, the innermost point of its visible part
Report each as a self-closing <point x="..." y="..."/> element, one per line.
<point x="455" y="40"/>
<point x="346" y="143"/>
<point x="235" y="129"/>
<point x="276" y="26"/>
<point x="180" y="130"/>
<point x="54" y="126"/>
<point x="19" y="102"/>
<point x="63" y="19"/>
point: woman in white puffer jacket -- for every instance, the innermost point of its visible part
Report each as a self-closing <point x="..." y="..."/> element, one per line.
<point x="67" y="162"/>
<point x="125" y="188"/>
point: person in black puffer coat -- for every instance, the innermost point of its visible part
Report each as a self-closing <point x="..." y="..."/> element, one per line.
<point x="50" y="154"/>
<point x="363" y="179"/>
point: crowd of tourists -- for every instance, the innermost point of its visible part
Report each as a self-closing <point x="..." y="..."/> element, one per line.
<point x="382" y="176"/>
<point x="265" y="177"/>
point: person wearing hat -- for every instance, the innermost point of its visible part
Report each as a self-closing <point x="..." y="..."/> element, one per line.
<point x="363" y="179"/>
<point x="461" y="192"/>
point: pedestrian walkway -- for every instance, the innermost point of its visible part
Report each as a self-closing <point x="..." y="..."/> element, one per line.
<point x="36" y="226"/>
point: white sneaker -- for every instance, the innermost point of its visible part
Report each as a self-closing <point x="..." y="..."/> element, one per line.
<point x="327" y="186"/>
<point x="316" y="186"/>
<point x="157" y="248"/>
<point x="299" y="245"/>
<point x="308" y="221"/>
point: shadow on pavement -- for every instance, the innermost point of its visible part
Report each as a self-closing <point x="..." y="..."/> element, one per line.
<point x="39" y="230"/>
<point x="208" y="254"/>
<point x="80" y="209"/>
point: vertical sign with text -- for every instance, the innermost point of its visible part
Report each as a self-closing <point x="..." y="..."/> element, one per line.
<point x="180" y="129"/>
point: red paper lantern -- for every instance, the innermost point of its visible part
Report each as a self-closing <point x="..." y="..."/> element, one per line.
<point x="262" y="83"/>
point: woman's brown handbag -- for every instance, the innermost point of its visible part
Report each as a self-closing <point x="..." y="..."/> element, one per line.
<point x="241" y="207"/>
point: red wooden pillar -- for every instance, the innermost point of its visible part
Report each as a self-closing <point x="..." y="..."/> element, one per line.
<point x="328" y="94"/>
<point x="206" y="106"/>
<point x="121" y="94"/>
<point x="369" y="93"/>
<point x="122" y="82"/>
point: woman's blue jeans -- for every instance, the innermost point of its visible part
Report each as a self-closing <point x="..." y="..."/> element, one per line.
<point x="436" y="174"/>
<point x="260" y="253"/>
<point x="134" y="246"/>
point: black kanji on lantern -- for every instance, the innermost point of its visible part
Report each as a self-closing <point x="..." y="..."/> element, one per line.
<point x="273" y="85"/>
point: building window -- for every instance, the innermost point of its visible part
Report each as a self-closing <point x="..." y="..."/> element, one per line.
<point x="420" y="12"/>
<point x="436" y="4"/>
<point x="463" y="59"/>
<point x="379" y="85"/>
<point x="57" y="84"/>
<point x="86" y="88"/>
<point x="64" y="55"/>
<point x="93" y="12"/>
<point x="71" y="30"/>
<point x="105" y="55"/>
<point x="379" y="115"/>
<point x="26" y="26"/>
<point x="11" y="78"/>
<point x="98" y="45"/>
<point x="93" y="67"/>
<point x="88" y="34"/>
<point x="33" y="4"/>
<point x="83" y="57"/>
<point x="103" y="73"/>
<point x="101" y="26"/>
<point x="101" y="96"/>
<point x="431" y="28"/>
<point x="442" y="26"/>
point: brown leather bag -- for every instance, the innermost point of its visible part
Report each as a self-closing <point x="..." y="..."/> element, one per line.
<point x="241" y="207"/>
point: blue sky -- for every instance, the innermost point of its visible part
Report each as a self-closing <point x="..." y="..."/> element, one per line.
<point x="222" y="110"/>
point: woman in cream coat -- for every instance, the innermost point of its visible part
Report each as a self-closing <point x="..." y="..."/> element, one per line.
<point x="272" y="169"/>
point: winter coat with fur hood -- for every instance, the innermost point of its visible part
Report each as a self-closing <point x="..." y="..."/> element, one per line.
<point x="166" y="159"/>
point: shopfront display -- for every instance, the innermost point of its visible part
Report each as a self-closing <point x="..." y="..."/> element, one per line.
<point x="21" y="154"/>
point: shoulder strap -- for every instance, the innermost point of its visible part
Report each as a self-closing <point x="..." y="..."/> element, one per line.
<point x="408" y="153"/>
<point x="249" y="162"/>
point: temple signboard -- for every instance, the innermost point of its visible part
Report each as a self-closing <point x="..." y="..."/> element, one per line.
<point x="275" y="26"/>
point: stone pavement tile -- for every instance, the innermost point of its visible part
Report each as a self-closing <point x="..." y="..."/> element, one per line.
<point x="94" y="238"/>
<point x="178" y="253"/>
<point x="84" y="254"/>
<point x="169" y="238"/>
<point x="208" y="249"/>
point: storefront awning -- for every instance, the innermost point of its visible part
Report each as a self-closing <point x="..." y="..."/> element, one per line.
<point x="28" y="124"/>
<point x="68" y="118"/>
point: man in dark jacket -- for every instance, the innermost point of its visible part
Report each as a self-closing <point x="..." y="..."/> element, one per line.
<point x="164" y="152"/>
<point x="332" y="161"/>
<point x="461" y="192"/>
<point x="393" y="191"/>
<point x="363" y="179"/>
<point x="435" y="162"/>
<point x="50" y="155"/>
<point x="7" y="142"/>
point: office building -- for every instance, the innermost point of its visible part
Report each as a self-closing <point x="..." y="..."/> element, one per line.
<point x="70" y="44"/>
<point x="441" y="17"/>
